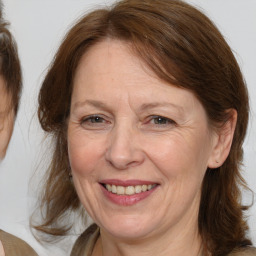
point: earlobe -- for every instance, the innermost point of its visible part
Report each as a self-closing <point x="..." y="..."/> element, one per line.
<point x="222" y="141"/>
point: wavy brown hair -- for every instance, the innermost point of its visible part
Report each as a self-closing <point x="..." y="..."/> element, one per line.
<point x="183" y="47"/>
<point x="10" y="67"/>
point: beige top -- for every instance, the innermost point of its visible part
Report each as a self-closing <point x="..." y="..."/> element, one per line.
<point x="85" y="243"/>
<point x="14" y="246"/>
<point x="244" y="252"/>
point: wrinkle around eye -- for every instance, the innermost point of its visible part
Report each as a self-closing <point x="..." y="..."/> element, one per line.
<point x="94" y="119"/>
<point x="158" y="122"/>
<point x="162" y="120"/>
<point x="94" y="122"/>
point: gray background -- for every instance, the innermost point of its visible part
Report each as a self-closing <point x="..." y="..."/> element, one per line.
<point x="38" y="26"/>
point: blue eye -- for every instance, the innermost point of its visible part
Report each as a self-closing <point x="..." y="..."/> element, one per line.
<point x="160" y="120"/>
<point x="95" y="122"/>
<point x="95" y="119"/>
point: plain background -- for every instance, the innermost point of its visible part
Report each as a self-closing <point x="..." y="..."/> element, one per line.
<point x="39" y="26"/>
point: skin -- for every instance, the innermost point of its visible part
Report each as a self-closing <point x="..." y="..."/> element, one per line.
<point x="1" y="249"/>
<point x="128" y="141"/>
<point x="6" y="119"/>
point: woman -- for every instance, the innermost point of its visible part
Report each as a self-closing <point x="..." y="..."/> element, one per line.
<point x="10" y="89"/>
<point x="148" y="110"/>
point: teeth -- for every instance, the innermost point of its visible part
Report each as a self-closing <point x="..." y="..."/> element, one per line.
<point x="129" y="190"/>
<point x="144" y="188"/>
<point x="138" y="189"/>
<point x="112" y="189"/>
<point x="120" y="190"/>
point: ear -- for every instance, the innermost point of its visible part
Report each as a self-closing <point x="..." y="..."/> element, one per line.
<point x="222" y="141"/>
<point x="6" y="128"/>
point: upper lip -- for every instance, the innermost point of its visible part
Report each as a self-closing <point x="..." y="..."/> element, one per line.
<point x="126" y="183"/>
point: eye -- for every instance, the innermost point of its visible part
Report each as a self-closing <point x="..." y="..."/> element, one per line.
<point x="94" y="121"/>
<point x="160" y="120"/>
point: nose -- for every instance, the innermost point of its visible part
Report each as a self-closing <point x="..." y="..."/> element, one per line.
<point x="124" y="149"/>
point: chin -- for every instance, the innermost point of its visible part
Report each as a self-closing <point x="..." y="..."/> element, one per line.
<point x="130" y="228"/>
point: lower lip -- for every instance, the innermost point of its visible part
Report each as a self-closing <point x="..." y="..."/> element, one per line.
<point x="126" y="200"/>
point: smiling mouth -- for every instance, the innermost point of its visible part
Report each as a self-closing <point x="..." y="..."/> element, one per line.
<point x="128" y="190"/>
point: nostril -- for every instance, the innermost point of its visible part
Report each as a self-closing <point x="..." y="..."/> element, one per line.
<point x="122" y="152"/>
<point x="119" y="158"/>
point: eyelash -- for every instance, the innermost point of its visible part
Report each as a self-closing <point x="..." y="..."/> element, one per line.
<point x="93" y="119"/>
<point x="166" y="121"/>
<point x="96" y="120"/>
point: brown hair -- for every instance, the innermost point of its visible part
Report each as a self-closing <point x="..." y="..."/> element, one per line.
<point x="10" y="67"/>
<point x="183" y="47"/>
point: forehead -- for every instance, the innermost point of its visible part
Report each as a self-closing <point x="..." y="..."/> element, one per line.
<point x="110" y="71"/>
<point x="101" y="57"/>
<point x="113" y="63"/>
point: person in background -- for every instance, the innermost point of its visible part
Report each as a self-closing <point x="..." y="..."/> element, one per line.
<point x="10" y="91"/>
<point x="148" y="110"/>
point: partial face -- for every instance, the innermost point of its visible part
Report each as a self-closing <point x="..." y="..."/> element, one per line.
<point x="138" y="147"/>
<point x="6" y="118"/>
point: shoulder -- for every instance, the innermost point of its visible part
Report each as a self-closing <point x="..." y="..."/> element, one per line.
<point x="248" y="251"/>
<point x="86" y="241"/>
<point x="14" y="246"/>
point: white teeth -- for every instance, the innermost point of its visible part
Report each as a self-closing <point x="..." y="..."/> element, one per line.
<point x="120" y="190"/>
<point x="129" y="190"/>
<point x="113" y="189"/>
<point x="144" y="188"/>
<point x="138" y="189"/>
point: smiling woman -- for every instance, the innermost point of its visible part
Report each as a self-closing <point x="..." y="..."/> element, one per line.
<point x="120" y="148"/>
<point x="149" y="110"/>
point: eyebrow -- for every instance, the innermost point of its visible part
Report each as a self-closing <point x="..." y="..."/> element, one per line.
<point x="147" y="106"/>
<point x="93" y="103"/>
<point x="143" y="107"/>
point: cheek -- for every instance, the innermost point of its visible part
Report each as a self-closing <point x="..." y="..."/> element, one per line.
<point x="84" y="154"/>
<point x="179" y="155"/>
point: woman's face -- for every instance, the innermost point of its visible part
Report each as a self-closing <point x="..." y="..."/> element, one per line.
<point x="6" y="118"/>
<point x="138" y="147"/>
